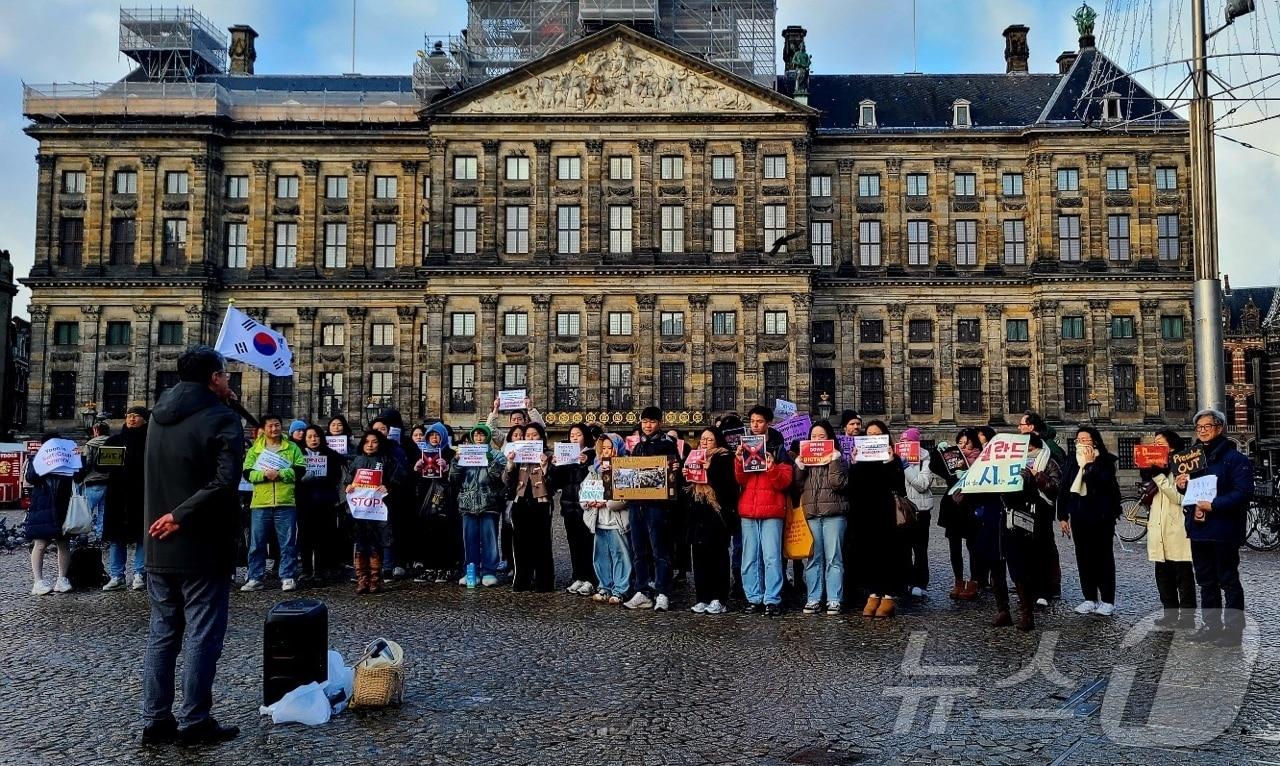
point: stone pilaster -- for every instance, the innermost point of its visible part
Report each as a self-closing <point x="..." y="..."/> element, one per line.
<point x="893" y="233"/>
<point x="1097" y="376"/>
<point x="752" y="233"/>
<point x="1093" y="227"/>
<point x="542" y="221"/>
<point x="1049" y="401"/>
<point x="359" y="231"/>
<point x="844" y="230"/>
<point x="487" y="331"/>
<point x="198" y="244"/>
<point x="941" y="230"/>
<point x="897" y="357"/>
<point x="149" y="232"/>
<point x="91" y="352"/>
<point x="1042" y="223"/>
<point x="141" y="383"/>
<point x="431" y="356"/>
<point x="46" y="189"/>
<point x="699" y="213"/>
<point x="699" y="382"/>
<point x="993" y="333"/>
<point x="799" y="207"/>
<point x="646" y="369"/>
<point x="95" y="218"/>
<point x="846" y="356"/>
<point x="441" y="219"/>
<point x="990" y="229"/>
<point x="751" y="384"/>
<point x="648" y="213"/>
<point x="487" y="204"/>
<point x="406" y="381"/>
<point x="592" y="375"/>
<point x="38" y="384"/>
<point x="409" y="232"/>
<point x="354" y="381"/>
<point x="800" y="337"/>
<point x="594" y="216"/>
<point x="1150" y="375"/>
<point x="945" y="403"/>
<point x="304" y="344"/>
<point x="310" y="225"/>
<point x="542" y="330"/>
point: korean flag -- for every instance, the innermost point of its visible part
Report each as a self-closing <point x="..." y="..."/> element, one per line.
<point x="247" y="340"/>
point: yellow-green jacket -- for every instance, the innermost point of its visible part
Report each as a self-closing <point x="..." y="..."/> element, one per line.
<point x="278" y="493"/>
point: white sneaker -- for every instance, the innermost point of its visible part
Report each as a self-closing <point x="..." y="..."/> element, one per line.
<point x="398" y="572"/>
<point x="62" y="585"/>
<point x="1086" y="607"/>
<point x="661" y="605"/>
<point x="41" y="588"/>
<point x="115" y="583"/>
<point x="918" y="592"/>
<point x="251" y="586"/>
<point x="699" y="608"/>
<point x="289" y="584"/>
<point x="462" y="580"/>
<point x="1104" y="609"/>
<point x="715" y="607"/>
<point x="139" y="582"/>
<point x="574" y="587"/>
<point x="812" y="607"/>
<point x="639" y="601"/>
<point x="587" y="589"/>
<point x="833" y="607"/>
<point x="487" y="581"/>
<point x="1042" y="602"/>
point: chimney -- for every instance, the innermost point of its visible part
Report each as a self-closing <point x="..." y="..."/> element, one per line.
<point x="792" y="41"/>
<point x="242" y="52"/>
<point x="1016" y="52"/>
<point x="1066" y="61"/>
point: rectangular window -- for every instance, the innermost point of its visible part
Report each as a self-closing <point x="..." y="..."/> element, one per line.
<point x="569" y="168"/>
<point x="1068" y="179"/>
<point x="517" y="168"/>
<point x="568" y="229"/>
<point x="871" y="331"/>
<point x="620" y="169"/>
<point x="619" y="386"/>
<point x="869" y="185"/>
<point x="286" y="187"/>
<point x="918" y="243"/>
<point x="66" y="333"/>
<point x="462" y="388"/>
<point x="724" y="386"/>
<point x="515" y="375"/>
<point x="1125" y="377"/>
<point x="723" y="228"/>
<point x="115" y="394"/>
<point x="1075" y="392"/>
<point x="1011" y="184"/>
<point x="619" y="323"/>
<point x="775" y="166"/>
<point x="724" y="168"/>
<point x="517" y="240"/>
<point x="165" y="380"/>
<point x="464" y="169"/>
<point x="1117" y="179"/>
<point x="568" y="324"/>
<point x="724" y="323"/>
<point x="620" y="228"/>
<point x="820" y="243"/>
<point x="331" y="393"/>
<point x="1166" y="179"/>
<point x="464" y="230"/>
<point x="672" y="228"/>
<point x="1015" y="330"/>
<point x="920" y="331"/>
<point x="775" y="225"/>
<point x="175" y="241"/>
<point x="777" y="384"/>
<point x="1167" y="238"/>
<point x="872" y="390"/>
<point x="968" y="330"/>
<point x="1069" y="238"/>
<point x="671" y="386"/>
<point x="822" y="331"/>
<point x="335" y="245"/>
<point x="426" y="241"/>
<point x="1015" y="242"/>
<point x="73" y="181"/>
<point x="775" y="323"/>
<point x="62" y="395"/>
<point x="970" y="390"/>
<point x="126" y="182"/>
<point x="385" y="187"/>
<point x="1122" y="327"/>
<point x="176" y="182"/>
<point x="921" y="390"/>
<point x="869" y="243"/>
<point x="1118" y="237"/>
<point x="169" y="334"/>
<point x="384" y="246"/>
<point x="70" y="241"/>
<point x="1171" y="327"/>
<point x="966" y="184"/>
<point x="383" y="334"/>
<point x="119" y="333"/>
<point x="123" y="239"/>
<point x="462" y="324"/>
<point x="819" y="186"/>
<point x="335" y="187"/>
<point x="671" y="323"/>
<point x="333" y="334"/>
<point x="237" y="245"/>
<point x="568" y="386"/>
<point x="917" y="185"/>
<point x="966" y="243"/>
<point x="515" y="323"/>
<point x="1073" y="328"/>
<point x="672" y="168"/>
<point x="1019" y="389"/>
<point x="286" y="245"/>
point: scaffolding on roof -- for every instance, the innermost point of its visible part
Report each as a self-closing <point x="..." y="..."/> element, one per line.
<point x="172" y="44"/>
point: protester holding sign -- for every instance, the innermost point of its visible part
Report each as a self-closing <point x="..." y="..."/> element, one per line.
<point x="713" y="519"/>
<point x="273" y="466"/>
<point x="338" y="427"/>
<point x="515" y="417"/>
<point x="822" y="488"/>
<point x="878" y="545"/>
<point x="919" y="481"/>
<point x="1027" y="515"/>
<point x="1088" y="511"/>
<point x="651" y="519"/>
<point x="956" y="515"/>
<point x="1168" y="546"/>
<point x="762" y="508"/>
<point x="481" y="497"/>
<point x="372" y="537"/>
<point x="530" y="489"/>
<point x="125" y="501"/>
<point x="318" y="511"/>
<point x="437" y="535"/>
<point x="608" y="521"/>
<point x="567" y="478"/>
<point x="50" y="496"/>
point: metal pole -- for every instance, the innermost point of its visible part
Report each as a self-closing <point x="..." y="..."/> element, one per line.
<point x="353" y="36"/>
<point x="1207" y="298"/>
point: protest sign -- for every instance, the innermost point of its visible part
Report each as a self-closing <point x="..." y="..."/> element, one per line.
<point x="753" y="448"/>
<point x="872" y="449"/>
<point x="512" y="400"/>
<point x="999" y="467"/>
<point x="640" y="478"/>
<point x="631" y="441"/>
<point x="368" y="477"/>
<point x="816" y="451"/>
<point x="432" y="464"/>
<point x="567" y="453"/>
<point x="33" y="446"/>
<point x="733" y="437"/>
<point x="473" y="455"/>
<point x="908" y="451"/>
<point x="591" y="491"/>
<point x="1204" y="488"/>
<point x="110" y="457"/>
<point x="783" y="409"/>
<point x="270" y="461"/>
<point x="245" y="486"/>
<point x="422" y="446"/>
<point x="57" y="457"/>
<point x="1188" y="460"/>
<point x="695" y="468"/>
<point x="393" y="434"/>
<point x="794" y="429"/>
<point x="367" y="503"/>
<point x="337" y="443"/>
<point x="846" y="446"/>
<point x="953" y="458"/>
<point x="1150" y="455"/>
<point x="527" y="452"/>
<point x="317" y="466"/>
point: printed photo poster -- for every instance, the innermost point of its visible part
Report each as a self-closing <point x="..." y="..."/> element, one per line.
<point x="270" y="461"/>
<point x="999" y="467"/>
<point x="59" y="457"/>
<point x="695" y="467"/>
<point x="872" y="449"/>
<point x="953" y="458"/>
<point x="846" y="444"/>
<point x="753" y="449"/>
<point x="473" y="455"/>
<point x="512" y="399"/>
<point x="317" y="466"/>
<point x="1150" y="455"/>
<point x="639" y="478"/>
<point x="568" y="453"/>
<point x="630" y="442"/>
<point x="816" y="451"/>
<point x="337" y="443"/>
<point x="432" y="464"/>
<point x="733" y="437"/>
<point x="527" y="452"/>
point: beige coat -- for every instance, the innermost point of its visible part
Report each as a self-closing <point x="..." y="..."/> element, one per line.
<point x="1166" y="529"/>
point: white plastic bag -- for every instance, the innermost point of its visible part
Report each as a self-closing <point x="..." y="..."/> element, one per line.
<point x="340" y="684"/>
<point x="79" y="519"/>
<point x="306" y="704"/>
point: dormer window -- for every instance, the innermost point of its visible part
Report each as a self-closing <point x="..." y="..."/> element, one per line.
<point x="1111" y="107"/>
<point x="960" y="114"/>
<point x="867" y="114"/>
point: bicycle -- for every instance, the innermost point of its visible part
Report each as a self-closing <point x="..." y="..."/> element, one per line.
<point x="1134" y="516"/>
<point x="1262" y="525"/>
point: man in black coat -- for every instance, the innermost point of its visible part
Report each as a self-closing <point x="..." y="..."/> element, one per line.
<point x="195" y="447"/>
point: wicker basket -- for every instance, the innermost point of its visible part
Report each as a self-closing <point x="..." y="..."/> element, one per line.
<point x="377" y="683"/>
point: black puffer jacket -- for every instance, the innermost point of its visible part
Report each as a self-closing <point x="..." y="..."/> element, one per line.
<point x="822" y="488"/>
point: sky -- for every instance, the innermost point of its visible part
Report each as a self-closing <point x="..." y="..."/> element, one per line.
<point x="76" y="41"/>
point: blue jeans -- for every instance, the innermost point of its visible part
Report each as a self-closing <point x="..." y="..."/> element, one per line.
<point x="96" y="495"/>
<point x="118" y="554"/>
<point x="196" y="607"/>
<point x="762" y="560"/>
<point x="480" y="542"/>
<point x="827" y="562"/>
<point x="651" y="544"/>
<point x="612" y="559"/>
<point x="284" y="520"/>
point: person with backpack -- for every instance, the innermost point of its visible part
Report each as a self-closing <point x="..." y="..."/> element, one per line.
<point x="46" y="513"/>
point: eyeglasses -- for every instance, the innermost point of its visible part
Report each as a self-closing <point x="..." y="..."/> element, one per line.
<point x="1206" y="426"/>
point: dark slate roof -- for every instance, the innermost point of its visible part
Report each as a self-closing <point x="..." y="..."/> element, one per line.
<point x="1236" y="300"/>
<point x="315" y="83"/>
<point x="1096" y="75"/>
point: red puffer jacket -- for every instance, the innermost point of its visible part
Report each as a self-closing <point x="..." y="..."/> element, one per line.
<point x="764" y="494"/>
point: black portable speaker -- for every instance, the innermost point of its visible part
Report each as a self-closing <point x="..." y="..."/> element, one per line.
<point x="295" y="645"/>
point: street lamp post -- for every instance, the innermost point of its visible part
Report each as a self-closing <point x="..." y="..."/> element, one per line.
<point x="825" y="407"/>
<point x="1095" y="410"/>
<point x="89" y="415"/>
<point x="371" y="408"/>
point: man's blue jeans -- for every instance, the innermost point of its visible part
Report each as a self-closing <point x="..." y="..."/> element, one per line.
<point x="480" y="542"/>
<point x="196" y="607"/>
<point x="96" y="495"/>
<point x="118" y="555"/>
<point x="284" y="520"/>
<point x="651" y="548"/>
<point x="762" y="560"/>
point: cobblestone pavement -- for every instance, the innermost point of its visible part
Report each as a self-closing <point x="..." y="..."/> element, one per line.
<point x="504" y="678"/>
